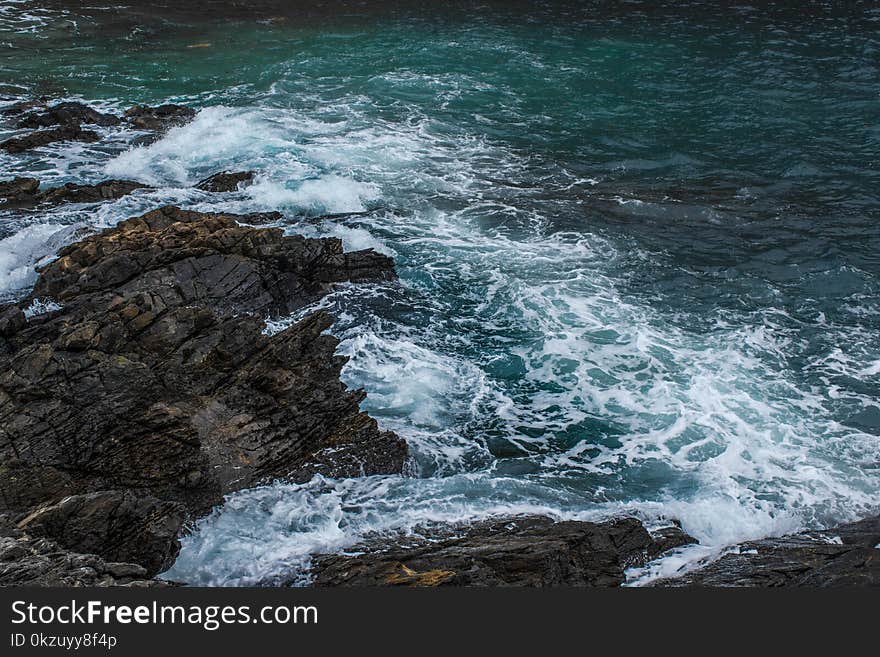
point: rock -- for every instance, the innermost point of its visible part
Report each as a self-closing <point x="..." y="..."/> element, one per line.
<point x="847" y="555"/>
<point x="18" y="191"/>
<point x="156" y="375"/>
<point x="68" y="114"/>
<point x="669" y="538"/>
<point x="191" y="258"/>
<point x="260" y="218"/>
<point x="24" y="193"/>
<point x="45" y="137"/>
<point x="225" y="181"/>
<point x="161" y="118"/>
<point x="12" y="320"/>
<point x="101" y="191"/>
<point x="32" y="561"/>
<point x="521" y="551"/>
<point x="356" y="450"/>
<point x="338" y="216"/>
<point x="118" y="526"/>
<point x="23" y="106"/>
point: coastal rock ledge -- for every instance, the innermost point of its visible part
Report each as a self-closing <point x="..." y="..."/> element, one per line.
<point x="847" y="555"/>
<point x="517" y="551"/>
<point x="535" y="551"/>
<point x="151" y="390"/>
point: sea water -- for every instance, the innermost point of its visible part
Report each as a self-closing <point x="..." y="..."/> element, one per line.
<point x="638" y="245"/>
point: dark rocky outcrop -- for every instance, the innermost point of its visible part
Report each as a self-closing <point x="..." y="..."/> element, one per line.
<point x="101" y="191"/>
<point x="40" y="138"/>
<point x="161" y="118"/>
<point x="12" y="320"/>
<point x="191" y="258"/>
<point x="521" y="551"/>
<point x="225" y="181"/>
<point x="22" y="106"/>
<point x="63" y="122"/>
<point x="25" y="193"/>
<point x="847" y="555"/>
<point x="118" y="526"/>
<point x="18" y="192"/>
<point x="67" y="114"/>
<point x="156" y="377"/>
<point x="32" y="561"/>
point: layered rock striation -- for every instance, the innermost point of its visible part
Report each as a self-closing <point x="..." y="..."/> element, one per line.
<point x="154" y="390"/>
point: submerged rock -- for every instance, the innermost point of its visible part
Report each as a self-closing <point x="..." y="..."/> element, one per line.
<point x="161" y="118"/>
<point x="225" y="181"/>
<point x="848" y="555"/>
<point x="520" y="551"/>
<point x="156" y="377"/>
<point x="68" y="114"/>
<point x="25" y="193"/>
<point x="45" y="137"/>
<point x="260" y="218"/>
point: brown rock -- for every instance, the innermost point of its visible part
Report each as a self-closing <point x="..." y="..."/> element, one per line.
<point x="225" y="181"/>
<point x="118" y="526"/>
<point x="521" y="551"/>
<point x="18" y="192"/>
<point x="45" y="137"/>
<point x="161" y="118"/>
<point x="25" y="193"/>
<point x="155" y="376"/>
<point x="847" y="555"/>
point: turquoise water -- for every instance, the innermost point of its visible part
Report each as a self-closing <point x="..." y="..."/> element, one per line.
<point x="638" y="247"/>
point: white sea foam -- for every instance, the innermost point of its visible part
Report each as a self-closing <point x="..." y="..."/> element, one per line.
<point x="41" y="307"/>
<point x="216" y="135"/>
<point x="327" y="194"/>
<point x="21" y="252"/>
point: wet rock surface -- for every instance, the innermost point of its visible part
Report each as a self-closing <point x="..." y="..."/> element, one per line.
<point x="31" y="561"/>
<point x="40" y="138"/>
<point x="69" y="113"/>
<point x="64" y="121"/>
<point x="18" y="192"/>
<point x="225" y="181"/>
<point x="25" y="193"/>
<point x="160" y="118"/>
<point x="183" y="257"/>
<point x="155" y="377"/>
<point x="101" y="191"/>
<point x="522" y="551"/>
<point x="847" y="555"/>
<point x="118" y="526"/>
<point x="22" y="106"/>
